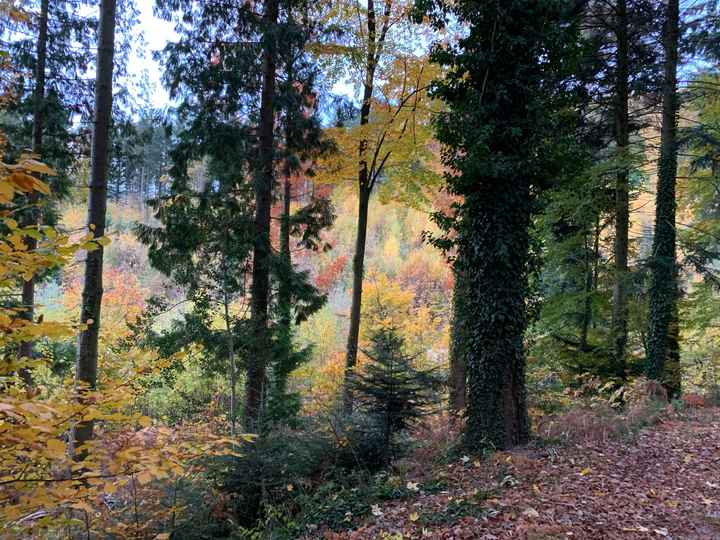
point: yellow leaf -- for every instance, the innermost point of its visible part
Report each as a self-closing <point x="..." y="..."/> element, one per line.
<point x="414" y="517"/>
<point x="585" y="471"/>
<point x="36" y="167"/>
<point x="56" y="448"/>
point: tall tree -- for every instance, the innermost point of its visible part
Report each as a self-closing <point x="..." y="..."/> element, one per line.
<point x="620" y="311"/>
<point x="234" y="82"/>
<point x="264" y="180"/>
<point x="382" y="51"/>
<point x="509" y="92"/>
<point x="87" y="352"/>
<point x="31" y="218"/>
<point x="661" y="355"/>
<point x="204" y="244"/>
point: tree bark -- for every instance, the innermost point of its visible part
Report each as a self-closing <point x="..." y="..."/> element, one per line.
<point x="87" y="353"/>
<point x="231" y="354"/>
<point x="587" y="312"/>
<point x="284" y="292"/>
<point x="364" y="192"/>
<point x="662" y="331"/>
<point x="26" y="348"/>
<point x="264" y="179"/>
<point x="620" y="311"/>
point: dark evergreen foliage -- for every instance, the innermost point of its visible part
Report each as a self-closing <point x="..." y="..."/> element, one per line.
<point x="510" y="92"/>
<point x="391" y="389"/>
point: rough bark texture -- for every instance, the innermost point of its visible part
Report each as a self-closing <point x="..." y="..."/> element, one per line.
<point x="365" y="189"/>
<point x="495" y="252"/>
<point x="26" y="348"/>
<point x="622" y="191"/>
<point x="264" y="179"/>
<point x="87" y="353"/>
<point x="662" y="331"/>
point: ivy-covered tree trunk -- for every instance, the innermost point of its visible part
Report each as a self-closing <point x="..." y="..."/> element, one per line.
<point x="264" y="180"/>
<point x="458" y="374"/>
<point x="495" y="242"/>
<point x="620" y="310"/>
<point x="87" y="353"/>
<point x="505" y="140"/>
<point x="32" y="217"/>
<point x="662" y="332"/>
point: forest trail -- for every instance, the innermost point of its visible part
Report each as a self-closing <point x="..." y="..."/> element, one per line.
<point x="665" y="483"/>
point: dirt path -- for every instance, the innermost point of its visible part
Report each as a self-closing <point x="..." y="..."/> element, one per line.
<point x="663" y="484"/>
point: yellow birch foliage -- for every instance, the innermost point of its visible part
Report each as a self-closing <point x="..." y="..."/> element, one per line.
<point x="42" y="488"/>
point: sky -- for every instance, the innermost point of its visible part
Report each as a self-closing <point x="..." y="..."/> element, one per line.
<point x="152" y="35"/>
<point x="156" y="33"/>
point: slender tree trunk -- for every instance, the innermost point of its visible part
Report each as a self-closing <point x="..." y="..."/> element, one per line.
<point x="87" y="353"/>
<point x="33" y="215"/>
<point x="364" y="191"/>
<point x="264" y="179"/>
<point x="355" y="308"/>
<point x="231" y="355"/>
<point x="587" y="301"/>
<point x="622" y="192"/>
<point x="662" y="332"/>
<point x="458" y="374"/>
<point x="285" y="293"/>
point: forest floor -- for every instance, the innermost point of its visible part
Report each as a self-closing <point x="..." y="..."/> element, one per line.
<point x="664" y="482"/>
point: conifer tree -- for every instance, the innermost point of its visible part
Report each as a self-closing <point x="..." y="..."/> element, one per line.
<point x="226" y="68"/>
<point x="390" y="389"/>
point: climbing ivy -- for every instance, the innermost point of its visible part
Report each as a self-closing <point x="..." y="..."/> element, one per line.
<point x="506" y="137"/>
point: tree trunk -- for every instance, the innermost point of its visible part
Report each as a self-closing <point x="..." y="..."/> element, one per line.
<point x="458" y="375"/>
<point x="26" y="348"/>
<point x="495" y="274"/>
<point x="231" y="355"/>
<point x="662" y="331"/>
<point x="264" y="179"/>
<point x="622" y="193"/>
<point x="587" y="301"/>
<point x="87" y="353"/>
<point x="364" y="191"/>
<point x="355" y="308"/>
<point x="284" y="294"/>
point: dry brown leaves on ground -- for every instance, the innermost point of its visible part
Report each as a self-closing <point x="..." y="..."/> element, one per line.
<point x="663" y="484"/>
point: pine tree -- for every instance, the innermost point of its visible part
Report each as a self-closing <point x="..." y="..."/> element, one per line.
<point x="510" y="94"/>
<point x="390" y="389"/>
<point x="624" y="33"/>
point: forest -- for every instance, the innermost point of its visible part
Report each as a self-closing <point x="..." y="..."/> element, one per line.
<point x="359" y="269"/>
